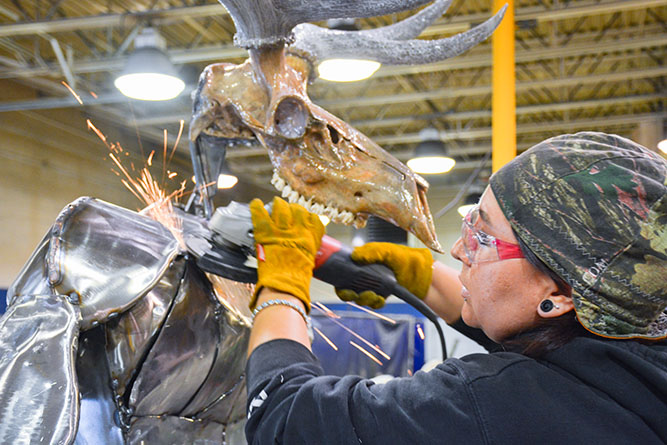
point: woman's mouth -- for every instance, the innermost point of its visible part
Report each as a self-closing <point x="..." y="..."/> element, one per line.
<point x="465" y="293"/>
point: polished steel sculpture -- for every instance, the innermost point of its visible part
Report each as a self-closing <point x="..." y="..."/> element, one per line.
<point x="113" y="334"/>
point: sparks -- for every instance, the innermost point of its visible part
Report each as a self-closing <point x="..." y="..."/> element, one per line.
<point x="328" y="312"/>
<point x="76" y="96"/>
<point x="178" y="139"/>
<point x="150" y="158"/>
<point x="366" y="342"/>
<point x="420" y="331"/>
<point x="326" y="339"/>
<point x="371" y="356"/>
<point x="171" y="175"/>
<point x="92" y="93"/>
<point x="164" y="155"/>
<point x="97" y="132"/>
<point x="368" y="311"/>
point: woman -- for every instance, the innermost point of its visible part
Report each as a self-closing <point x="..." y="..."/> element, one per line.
<point x="564" y="265"/>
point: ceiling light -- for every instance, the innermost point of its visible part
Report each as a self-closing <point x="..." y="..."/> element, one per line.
<point x="662" y="145"/>
<point x="430" y="154"/>
<point x="470" y="201"/>
<point x="347" y="70"/>
<point x="148" y="72"/>
<point x="226" y="179"/>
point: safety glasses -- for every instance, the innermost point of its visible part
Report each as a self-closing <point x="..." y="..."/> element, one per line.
<point x="481" y="247"/>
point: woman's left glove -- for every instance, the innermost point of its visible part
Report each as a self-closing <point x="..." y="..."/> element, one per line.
<point x="287" y="241"/>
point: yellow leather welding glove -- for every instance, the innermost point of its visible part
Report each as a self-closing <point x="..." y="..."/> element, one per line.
<point x="412" y="267"/>
<point x="287" y="241"/>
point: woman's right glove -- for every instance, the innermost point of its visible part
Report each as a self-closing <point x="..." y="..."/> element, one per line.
<point x="412" y="267"/>
<point x="287" y="241"/>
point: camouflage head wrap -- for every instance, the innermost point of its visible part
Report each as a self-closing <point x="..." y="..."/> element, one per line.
<point x="593" y="208"/>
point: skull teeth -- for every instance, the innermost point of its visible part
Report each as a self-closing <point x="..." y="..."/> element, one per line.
<point x="333" y="213"/>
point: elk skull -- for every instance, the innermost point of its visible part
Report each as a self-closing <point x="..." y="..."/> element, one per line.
<point x="319" y="161"/>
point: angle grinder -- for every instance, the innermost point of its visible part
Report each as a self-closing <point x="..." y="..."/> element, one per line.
<point x="229" y="251"/>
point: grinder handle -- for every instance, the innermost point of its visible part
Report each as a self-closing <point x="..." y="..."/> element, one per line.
<point x="334" y="265"/>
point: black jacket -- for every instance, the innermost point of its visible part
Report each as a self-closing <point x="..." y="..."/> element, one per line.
<point x="587" y="392"/>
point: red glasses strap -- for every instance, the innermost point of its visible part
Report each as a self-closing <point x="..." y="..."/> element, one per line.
<point x="507" y="250"/>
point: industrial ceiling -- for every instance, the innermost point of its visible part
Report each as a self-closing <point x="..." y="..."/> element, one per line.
<point x="580" y="65"/>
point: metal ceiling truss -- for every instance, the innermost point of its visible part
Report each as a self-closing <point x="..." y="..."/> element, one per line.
<point x="581" y="65"/>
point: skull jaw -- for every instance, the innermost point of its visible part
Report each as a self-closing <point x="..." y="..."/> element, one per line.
<point x="362" y="188"/>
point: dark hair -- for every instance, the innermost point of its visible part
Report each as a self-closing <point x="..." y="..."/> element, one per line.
<point x="550" y="333"/>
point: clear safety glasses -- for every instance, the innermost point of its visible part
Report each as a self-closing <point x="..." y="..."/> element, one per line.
<point x="481" y="247"/>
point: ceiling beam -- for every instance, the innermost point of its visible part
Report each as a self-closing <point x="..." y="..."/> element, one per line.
<point x="450" y="24"/>
<point x="110" y="98"/>
<point x="450" y="116"/>
<point x="529" y="55"/>
<point x="216" y="53"/>
<point x="156" y="16"/>
<point x="452" y="92"/>
<point x="595" y="124"/>
<point x="541" y="127"/>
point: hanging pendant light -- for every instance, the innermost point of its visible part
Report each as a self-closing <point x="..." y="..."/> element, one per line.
<point x="226" y="179"/>
<point x="430" y="155"/>
<point x="148" y="72"/>
<point x="346" y="70"/>
<point x="662" y="146"/>
<point x="468" y="203"/>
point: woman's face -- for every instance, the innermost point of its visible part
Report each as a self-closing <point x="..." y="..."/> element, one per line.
<point x="500" y="297"/>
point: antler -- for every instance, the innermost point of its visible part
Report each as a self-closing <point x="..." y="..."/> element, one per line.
<point x="387" y="45"/>
<point x="261" y="23"/>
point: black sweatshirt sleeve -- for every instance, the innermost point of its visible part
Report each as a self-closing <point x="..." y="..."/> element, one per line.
<point x="290" y="401"/>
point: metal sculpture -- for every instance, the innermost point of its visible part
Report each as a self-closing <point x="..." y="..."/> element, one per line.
<point x="113" y="334"/>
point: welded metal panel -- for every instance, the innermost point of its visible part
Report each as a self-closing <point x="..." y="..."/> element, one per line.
<point x="168" y="430"/>
<point x="183" y="353"/>
<point x="106" y="257"/>
<point x="130" y="336"/>
<point x="216" y="398"/>
<point x="96" y="420"/>
<point x="33" y="278"/>
<point x="39" y="397"/>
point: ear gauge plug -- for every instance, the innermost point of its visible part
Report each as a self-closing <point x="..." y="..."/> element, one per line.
<point x="548" y="305"/>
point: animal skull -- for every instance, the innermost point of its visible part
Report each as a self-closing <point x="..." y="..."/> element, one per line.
<point x="319" y="161"/>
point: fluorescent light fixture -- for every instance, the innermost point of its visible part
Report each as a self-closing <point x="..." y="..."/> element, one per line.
<point x="464" y="209"/>
<point x="430" y="156"/>
<point x="347" y="70"/>
<point x="227" y="180"/>
<point x="470" y="201"/>
<point x="149" y="86"/>
<point x="662" y="146"/>
<point x="148" y="72"/>
<point x="358" y="240"/>
<point x="431" y="165"/>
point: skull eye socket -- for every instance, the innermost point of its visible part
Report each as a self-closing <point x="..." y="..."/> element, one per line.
<point x="291" y="118"/>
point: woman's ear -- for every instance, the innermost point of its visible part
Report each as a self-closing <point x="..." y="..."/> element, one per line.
<point x="556" y="305"/>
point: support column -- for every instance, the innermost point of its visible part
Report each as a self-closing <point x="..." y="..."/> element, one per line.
<point x="504" y="89"/>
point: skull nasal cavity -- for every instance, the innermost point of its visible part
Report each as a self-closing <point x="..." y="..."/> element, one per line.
<point x="290" y="118"/>
<point x="333" y="134"/>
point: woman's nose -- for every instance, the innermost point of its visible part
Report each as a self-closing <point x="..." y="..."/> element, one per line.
<point x="458" y="253"/>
